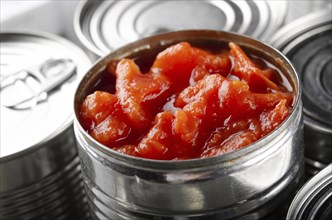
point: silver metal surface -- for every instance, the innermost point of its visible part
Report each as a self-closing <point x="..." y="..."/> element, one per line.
<point x="300" y="8"/>
<point x="39" y="171"/>
<point x="44" y="184"/>
<point x="48" y="75"/>
<point x="314" y="200"/>
<point x="307" y="43"/>
<point x="20" y="50"/>
<point x="103" y="26"/>
<point x="247" y="184"/>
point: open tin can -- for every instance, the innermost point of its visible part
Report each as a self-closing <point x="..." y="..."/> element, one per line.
<point x="251" y="183"/>
<point x="40" y="176"/>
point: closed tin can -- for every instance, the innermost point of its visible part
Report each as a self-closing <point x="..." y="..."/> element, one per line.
<point x="40" y="176"/>
<point x="251" y="183"/>
<point x="103" y="26"/>
<point x="307" y="43"/>
<point x="314" y="200"/>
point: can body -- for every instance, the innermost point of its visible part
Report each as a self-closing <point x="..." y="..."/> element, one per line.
<point x="314" y="200"/>
<point x="251" y="183"/>
<point x="318" y="147"/>
<point x="306" y="42"/>
<point x="46" y="183"/>
<point x="236" y="188"/>
<point x="40" y="175"/>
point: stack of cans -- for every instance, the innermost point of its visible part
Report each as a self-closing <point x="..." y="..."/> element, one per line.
<point x="40" y="174"/>
<point x="307" y="42"/>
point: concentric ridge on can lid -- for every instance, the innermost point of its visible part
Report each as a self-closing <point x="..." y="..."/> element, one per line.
<point x="103" y="26"/>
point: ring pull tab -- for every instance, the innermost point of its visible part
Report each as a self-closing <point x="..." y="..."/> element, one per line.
<point x="49" y="75"/>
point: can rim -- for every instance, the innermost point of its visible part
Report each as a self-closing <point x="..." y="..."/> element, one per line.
<point x="309" y="192"/>
<point x="79" y="32"/>
<point x="258" y="147"/>
<point x="67" y="123"/>
<point x="287" y="39"/>
<point x="85" y="10"/>
<point x="287" y="33"/>
<point x="316" y="125"/>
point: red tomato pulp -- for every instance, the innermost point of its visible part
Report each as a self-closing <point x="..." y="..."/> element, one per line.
<point x="191" y="103"/>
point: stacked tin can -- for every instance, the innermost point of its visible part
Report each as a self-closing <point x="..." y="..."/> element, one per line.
<point x="314" y="200"/>
<point x="103" y="26"/>
<point x="40" y="171"/>
<point x="307" y="43"/>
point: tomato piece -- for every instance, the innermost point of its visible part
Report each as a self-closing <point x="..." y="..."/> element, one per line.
<point x="245" y="69"/>
<point x="96" y="107"/>
<point x="235" y="95"/>
<point x="185" y="126"/>
<point x="264" y="102"/>
<point x="154" y="144"/>
<point x="134" y="89"/>
<point x="178" y="61"/>
<point x="197" y="74"/>
<point x="222" y="133"/>
<point x="255" y="127"/>
<point x="198" y="99"/>
<point x="187" y="136"/>
<point x="232" y="143"/>
<point x="288" y="96"/>
<point x="271" y="119"/>
<point x="234" y="100"/>
<point x="172" y="136"/>
<point x="215" y="98"/>
<point x="128" y="149"/>
<point x="270" y="74"/>
<point x="110" y="130"/>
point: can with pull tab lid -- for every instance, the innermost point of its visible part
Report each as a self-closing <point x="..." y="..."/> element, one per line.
<point x="307" y="42"/>
<point x="40" y="170"/>
<point x="103" y="26"/>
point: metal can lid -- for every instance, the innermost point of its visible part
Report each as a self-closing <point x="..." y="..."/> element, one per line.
<point x="307" y="43"/>
<point x="314" y="200"/>
<point x="39" y="75"/>
<point x="103" y="26"/>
